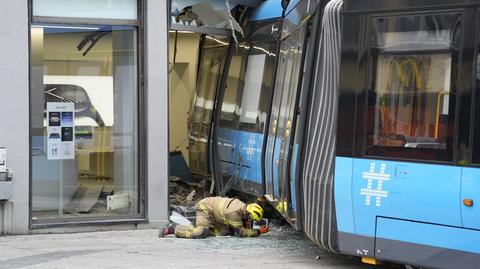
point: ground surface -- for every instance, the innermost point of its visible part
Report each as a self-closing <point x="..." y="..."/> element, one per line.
<point x="281" y="248"/>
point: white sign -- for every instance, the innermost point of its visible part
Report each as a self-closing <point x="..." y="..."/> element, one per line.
<point x="60" y="131"/>
<point x="251" y="147"/>
<point x="3" y="160"/>
<point x="378" y="193"/>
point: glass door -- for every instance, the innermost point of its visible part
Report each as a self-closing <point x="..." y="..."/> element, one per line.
<point x="279" y="147"/>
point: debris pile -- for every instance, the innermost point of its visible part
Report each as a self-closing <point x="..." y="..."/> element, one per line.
<point x="185" y="194"/>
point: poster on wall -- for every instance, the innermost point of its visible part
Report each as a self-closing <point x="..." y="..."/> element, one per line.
<point x="60" y="131"/>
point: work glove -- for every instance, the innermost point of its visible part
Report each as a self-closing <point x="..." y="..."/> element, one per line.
<point x="264" y="229"/>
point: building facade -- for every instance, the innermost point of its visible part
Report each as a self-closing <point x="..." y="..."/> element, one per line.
<point x="84" y="107"/>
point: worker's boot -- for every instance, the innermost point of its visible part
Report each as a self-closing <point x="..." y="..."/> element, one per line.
<point x="166" y="231"/>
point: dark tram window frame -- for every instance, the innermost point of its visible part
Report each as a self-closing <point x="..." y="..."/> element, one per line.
<point x="475" y="108"/>
<point x="402" y="153"/>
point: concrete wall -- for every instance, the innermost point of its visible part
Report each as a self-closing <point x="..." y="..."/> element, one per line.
<point x="156" y="87"/>
<point x="14" y="109"/>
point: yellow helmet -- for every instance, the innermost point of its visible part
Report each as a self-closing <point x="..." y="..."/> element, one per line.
<point x="256" y="211"/>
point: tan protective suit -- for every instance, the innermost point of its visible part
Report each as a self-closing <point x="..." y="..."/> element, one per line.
<point x="217" y="216"/>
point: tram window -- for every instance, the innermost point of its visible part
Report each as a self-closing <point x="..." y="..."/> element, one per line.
<point x="233" y="92"/>
<point x="258" y="86"/>
<point x="247" y="96"/>
<point x="252" y="89"/>
<point x="213" y="53"/>
<point x="476" y="132"/>
<point x="410" y="111"/>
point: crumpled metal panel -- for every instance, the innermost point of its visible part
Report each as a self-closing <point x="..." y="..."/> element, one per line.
<point x="217" y="4"/>
<point x="210" y="13"/>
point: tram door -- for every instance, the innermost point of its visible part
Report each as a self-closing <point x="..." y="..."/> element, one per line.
<point x="280" y="181"/>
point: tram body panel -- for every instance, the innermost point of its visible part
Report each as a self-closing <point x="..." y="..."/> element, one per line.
<point x="240" y="151"/>
<point x="425" y="244"/>
<point x="410" y="191"/>
<point x="241" y="130"/>
<point x="405" y="162"/>
<point x="343" y="195"/>
<point x="471" y="190"/>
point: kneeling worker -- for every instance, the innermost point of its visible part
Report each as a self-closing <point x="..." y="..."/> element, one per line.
<point x="221" y="216"/>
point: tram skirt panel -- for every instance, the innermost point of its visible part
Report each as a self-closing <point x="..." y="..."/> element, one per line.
<point x="319" y="211"/>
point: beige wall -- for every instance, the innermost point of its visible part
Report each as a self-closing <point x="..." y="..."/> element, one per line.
<point x="182" y="78"/>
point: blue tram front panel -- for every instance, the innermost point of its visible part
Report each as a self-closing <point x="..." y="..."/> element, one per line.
<point x="387" y="209"/>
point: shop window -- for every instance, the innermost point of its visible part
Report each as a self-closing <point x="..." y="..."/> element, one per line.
<point x="110" y="9"/>
<point x="84" y="121"/>
<point x="410" y="110"/>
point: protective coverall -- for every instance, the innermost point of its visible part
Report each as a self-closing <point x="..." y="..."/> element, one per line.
<point x="217" y="216"/>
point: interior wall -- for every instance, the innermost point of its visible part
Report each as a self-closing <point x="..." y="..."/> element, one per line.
<point x="182" y="82"/>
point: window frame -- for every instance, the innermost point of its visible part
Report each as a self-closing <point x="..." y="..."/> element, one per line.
<point x="475" y="106"/>
<point x="141" y="155"/>
<point x="370" y="74"/>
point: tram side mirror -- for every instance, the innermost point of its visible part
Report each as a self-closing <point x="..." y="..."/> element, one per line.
<point x="285" y="4"/>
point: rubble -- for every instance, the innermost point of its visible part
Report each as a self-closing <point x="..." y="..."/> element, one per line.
<point x="185" y="194"/>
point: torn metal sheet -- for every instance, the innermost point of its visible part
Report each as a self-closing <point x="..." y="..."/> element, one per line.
<point x="211" y="13"/>
<point x="209" y="16"/>
<point x="217" y="4"/>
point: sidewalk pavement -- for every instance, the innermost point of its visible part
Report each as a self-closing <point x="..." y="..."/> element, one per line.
<point x="281" y="248"/>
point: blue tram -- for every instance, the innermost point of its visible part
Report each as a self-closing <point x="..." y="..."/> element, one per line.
<point x="406" y="158"/>
<point x="358" y="121"/>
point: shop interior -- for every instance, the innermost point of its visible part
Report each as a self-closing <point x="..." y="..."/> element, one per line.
<point x="89" y="167"/>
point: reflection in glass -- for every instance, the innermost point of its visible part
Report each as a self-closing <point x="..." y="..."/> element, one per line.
<point x="412" y="101"/>
<point x="84" y="84"/>
<point x="243" y="116"/>
<point x="411" y="107"/>
<point x="289" y="74"/>
<point x="476" y="132"/>
<point x="213" y="52"/>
